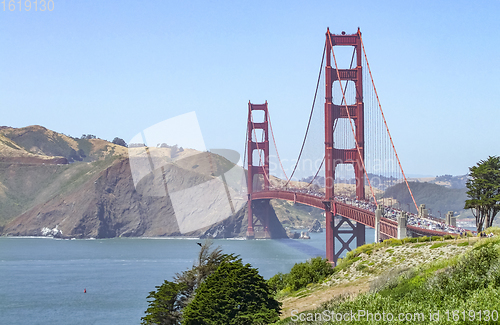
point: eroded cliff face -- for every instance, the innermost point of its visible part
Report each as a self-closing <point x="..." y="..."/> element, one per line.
<point x="109" y="205"/>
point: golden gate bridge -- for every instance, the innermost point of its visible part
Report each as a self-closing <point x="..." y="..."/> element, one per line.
<point x="356" y="140"/>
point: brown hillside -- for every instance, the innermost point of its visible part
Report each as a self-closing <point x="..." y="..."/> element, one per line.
<point x="42" y="145"/>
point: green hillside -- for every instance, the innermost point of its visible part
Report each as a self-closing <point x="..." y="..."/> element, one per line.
<point x="449" y="283"/>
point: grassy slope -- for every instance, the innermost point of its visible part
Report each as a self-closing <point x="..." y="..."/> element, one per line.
<point x="442" y="279"/>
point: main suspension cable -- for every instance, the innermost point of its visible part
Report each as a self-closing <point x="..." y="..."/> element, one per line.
<point x="244" y="158"/>
<point x="310" y="116"/>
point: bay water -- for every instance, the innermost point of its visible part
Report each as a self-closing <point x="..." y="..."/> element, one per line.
<point x="42" y="280"/>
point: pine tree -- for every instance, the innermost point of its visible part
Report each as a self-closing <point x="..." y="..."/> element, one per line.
<point x="484" y="191"/>
<point x="169" y="299"/>
<point x="233" y="294"/>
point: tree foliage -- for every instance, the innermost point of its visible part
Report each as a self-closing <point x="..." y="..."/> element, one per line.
<point x="233" y="294"/>
<point x="119" y="141"/>
<point x="484" y="191"/>
<point x="169" y="299"/>
<point x="301" y="274"/>
<point x="166" y="304"/>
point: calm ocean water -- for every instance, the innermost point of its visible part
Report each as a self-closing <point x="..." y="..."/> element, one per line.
<point x="42" y="280"/>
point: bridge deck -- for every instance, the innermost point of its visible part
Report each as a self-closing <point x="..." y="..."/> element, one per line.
<point x="388" y="227"/>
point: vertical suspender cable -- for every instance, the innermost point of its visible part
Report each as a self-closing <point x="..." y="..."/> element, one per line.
<point x="385" y="122"/>
<point x="275" y="146"/>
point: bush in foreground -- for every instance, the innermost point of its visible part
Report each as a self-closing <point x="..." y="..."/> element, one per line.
<point x="167" y="302"/>
<point x="233" y="294"/>
<point x="302" y="274"/>
<point x="218" y="289"/>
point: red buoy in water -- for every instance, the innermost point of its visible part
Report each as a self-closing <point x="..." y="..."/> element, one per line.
<point x="85" y="290"/>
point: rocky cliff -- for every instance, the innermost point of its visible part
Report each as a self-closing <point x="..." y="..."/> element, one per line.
<point x="104" y="195"/>
<point x="109" y="205"/>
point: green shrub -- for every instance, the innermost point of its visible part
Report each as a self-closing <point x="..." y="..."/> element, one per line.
<point x="408" y="240"/>
<point x="302" y="274"/>
<point x="393" y="242"/>
<point x="436" y="238"/>
<point x="234" y="294"/>
<point x="360" y="250"/>
<point x="388" y="279"/>
<point x="493" y="230"/>
<point x="472" y="272"/>
<point x="277" y="282"/>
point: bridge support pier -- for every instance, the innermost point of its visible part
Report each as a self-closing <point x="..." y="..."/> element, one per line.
<point x="360" y="234"/>
<point x="402" y="223"/>
<point x="378" y="216"/>
<point x="422" y="211"/>
<point x="264" y="218"/>
<point x="450" y="219"/>
<point x="357" y="231"/>
<point x="265" y="223"/>
<point x="250" y="231"/>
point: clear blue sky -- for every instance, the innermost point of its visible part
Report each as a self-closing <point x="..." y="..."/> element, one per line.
<point x="114" y="68"/>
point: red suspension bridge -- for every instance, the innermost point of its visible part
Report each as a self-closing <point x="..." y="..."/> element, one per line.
<point x="356" y="140"/>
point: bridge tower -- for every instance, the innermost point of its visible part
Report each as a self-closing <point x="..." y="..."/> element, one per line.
<point x="334" y="156"/>
<point x="258" y="167"/>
